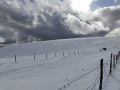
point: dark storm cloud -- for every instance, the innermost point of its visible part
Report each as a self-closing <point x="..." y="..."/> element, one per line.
<point x="16" y="15"/>
<point x="43" y="31"/>
<point x="48" y="22"/>
<point x="8" y="35"/>
<point x="111" y="16"/>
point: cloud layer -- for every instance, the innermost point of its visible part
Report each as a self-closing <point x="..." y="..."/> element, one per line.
<point x="53" y="19"/>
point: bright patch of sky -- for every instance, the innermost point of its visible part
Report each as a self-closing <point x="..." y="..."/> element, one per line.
<point x="86" y="5"/>
<point x="81" y="5"/>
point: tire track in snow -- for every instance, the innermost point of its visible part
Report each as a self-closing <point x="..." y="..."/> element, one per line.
<point x="23" y="69"/>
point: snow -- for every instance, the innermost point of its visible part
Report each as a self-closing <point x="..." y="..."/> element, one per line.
<point x="69" y="72"/>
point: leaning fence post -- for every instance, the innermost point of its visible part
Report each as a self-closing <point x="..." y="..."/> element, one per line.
<point x="111" y="64"/>
<point x="101" y="74"/>
<point x="15" y="58"/>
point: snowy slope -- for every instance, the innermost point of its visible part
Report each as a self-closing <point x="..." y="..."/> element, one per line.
<point x="69" y="72"/>
<point x="57" y="46"/>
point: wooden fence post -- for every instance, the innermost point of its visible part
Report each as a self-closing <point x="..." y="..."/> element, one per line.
<point x="63" y="53"/>
<point x="114" y="60"/>
<point x="101" y="74"/>
<point x="111" y="64"/>
<point x="55" y="54"/>
<point x="15" y="58"/>
<point x="34" y="56"/>
<point x="46" y="55"/>
<point x="119" y="54"/>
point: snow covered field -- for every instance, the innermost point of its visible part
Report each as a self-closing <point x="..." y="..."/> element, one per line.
<point x="69" y="72"/>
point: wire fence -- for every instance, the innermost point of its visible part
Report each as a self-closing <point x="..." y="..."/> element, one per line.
<point x="108" y="67"/>
<point x="97" y="84"/>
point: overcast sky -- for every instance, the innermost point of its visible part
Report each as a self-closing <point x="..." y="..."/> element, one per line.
<point x="58" y="19"/>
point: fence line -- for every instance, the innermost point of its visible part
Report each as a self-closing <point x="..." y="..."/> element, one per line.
<point x="55" y="55"/>
<point x="69" y="54"/>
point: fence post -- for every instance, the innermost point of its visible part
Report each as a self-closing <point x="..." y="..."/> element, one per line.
<point x="46" y="55"/>
<point x="55" y="54"/>
<point x="74" y="52"/>
<point x="34" y="56"/>
<point x="81" y="52"/>
<point x="111" y="64"/>
<point x="119" y="54"/>
<point x="69" y="53"/>
<point x="78" y="52"/>
<point x="101" y="74"/>
<point x="63" y="53"/>
<point x="114" y="60"/>
<point x="15" y="58"/>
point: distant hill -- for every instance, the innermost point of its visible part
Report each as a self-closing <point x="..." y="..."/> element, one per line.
<point x="56" y="46"/>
